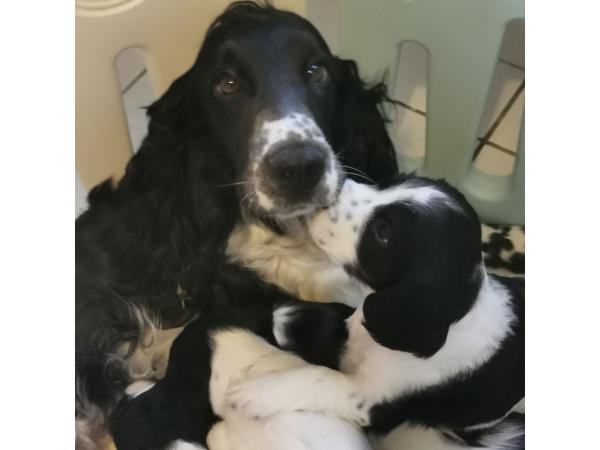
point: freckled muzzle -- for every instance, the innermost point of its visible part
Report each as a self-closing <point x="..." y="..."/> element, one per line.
<point x="337" y="229"/>
<point x="293" y="168"/>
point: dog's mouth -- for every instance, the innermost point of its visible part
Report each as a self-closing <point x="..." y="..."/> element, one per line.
<point x="292" y="169"/>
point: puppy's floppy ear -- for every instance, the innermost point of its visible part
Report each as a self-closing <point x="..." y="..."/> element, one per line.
<point x="415" y="316"/>
<point x="359" y="127"/>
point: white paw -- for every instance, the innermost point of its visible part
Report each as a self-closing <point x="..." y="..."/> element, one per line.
<point x="357" y="411"/>
<point x="251" y="399"/>
<point x="311" y="390"/>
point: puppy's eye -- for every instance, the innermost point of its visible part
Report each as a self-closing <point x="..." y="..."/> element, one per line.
<point x="382" y="231"/>
<point x="228" y="84"/>
<point x="316" y="73"/>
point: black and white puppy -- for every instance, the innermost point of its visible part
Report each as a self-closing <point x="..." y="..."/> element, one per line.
<point x="436" y="351"/>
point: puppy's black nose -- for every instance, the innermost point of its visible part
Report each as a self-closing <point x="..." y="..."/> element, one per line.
<point x="296" y="168"/>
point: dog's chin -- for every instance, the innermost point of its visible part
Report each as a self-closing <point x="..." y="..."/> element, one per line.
<point x="296" y="210"/>
<point x="278" y="207"/>
<point x="294" y="213"/>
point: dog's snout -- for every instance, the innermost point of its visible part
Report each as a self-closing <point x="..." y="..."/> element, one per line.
<point x="297" y="167"/>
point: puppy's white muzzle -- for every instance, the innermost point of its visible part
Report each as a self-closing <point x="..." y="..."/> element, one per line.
<point x="337" y="230"/>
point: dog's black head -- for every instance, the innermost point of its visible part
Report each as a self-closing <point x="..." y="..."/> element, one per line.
<point x="417" y="244"/>
<point x="268" y="103"/>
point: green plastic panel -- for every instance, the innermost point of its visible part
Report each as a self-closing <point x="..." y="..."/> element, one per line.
<point x="463" y="38"/>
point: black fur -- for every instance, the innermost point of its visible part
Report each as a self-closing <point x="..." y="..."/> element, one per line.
<point x="318" y="333"/>
<point x="157" y="239"/>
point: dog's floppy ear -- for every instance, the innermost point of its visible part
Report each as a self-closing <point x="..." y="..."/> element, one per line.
<point x="169" y="113"/>
<point x="359" y="132"/>
<point x="172" y="183"/>
<point x="414" y="316"/>
<point x="173" y="133"/>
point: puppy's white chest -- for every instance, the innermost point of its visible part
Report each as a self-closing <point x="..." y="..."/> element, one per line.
<point x="384" y="373"/>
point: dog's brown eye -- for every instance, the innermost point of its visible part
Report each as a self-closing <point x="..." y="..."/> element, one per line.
<point x="317" y="73"/>
<point x="228" y="84"/>
<point x="382" y="231"/>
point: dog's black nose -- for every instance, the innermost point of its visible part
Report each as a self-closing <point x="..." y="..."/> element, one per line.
<point x="296" y="168"/>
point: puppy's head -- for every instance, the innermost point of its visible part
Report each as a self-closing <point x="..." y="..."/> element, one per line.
<point x="417" y="244"/>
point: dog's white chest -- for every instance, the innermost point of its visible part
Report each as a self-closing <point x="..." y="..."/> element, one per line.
<point x="293" y="263"/>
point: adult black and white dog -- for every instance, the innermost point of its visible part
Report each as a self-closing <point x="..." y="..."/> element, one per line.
<point x="435" y="354"/>
<point x="261" y="130"/>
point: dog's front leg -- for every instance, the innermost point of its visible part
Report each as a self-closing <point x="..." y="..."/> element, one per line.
<point x="309" y="388"/>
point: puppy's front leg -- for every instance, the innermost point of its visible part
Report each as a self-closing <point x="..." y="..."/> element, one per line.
<point x="308" y="388"/>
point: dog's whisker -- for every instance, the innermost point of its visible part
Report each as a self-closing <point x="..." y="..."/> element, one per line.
<point x="346" y="166"/>
<point x="346" y="172"/>
<point x="238" y="183"/>
<point x="357" y="172"/>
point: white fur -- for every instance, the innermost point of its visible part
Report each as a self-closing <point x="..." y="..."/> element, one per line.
<point x="281" y="317"/>
<point x="276" y="131"/>
<point x="287" y="431"/>
<point x="503" y="433"/>
<point x="338" y="229"/>
<point x="520" y="407"/>
<point x="139" y="387"/>
<point x="150" y="359"/>
<point x="183" y="445"/>
<point x="294" y="263"/>
<point x="373" y="373"/>
<point x="239" y="354"/>
<point x="310" y="388"/>
<point x="264" y="200"/>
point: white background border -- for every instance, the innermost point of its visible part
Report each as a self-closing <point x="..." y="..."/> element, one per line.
<point x="37" y="245"/>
